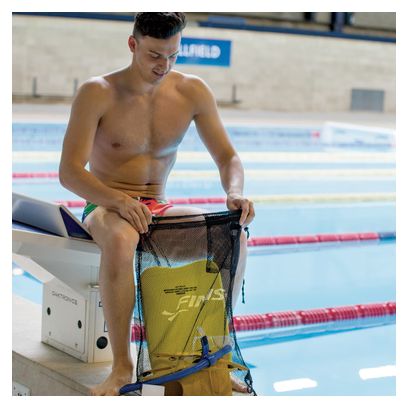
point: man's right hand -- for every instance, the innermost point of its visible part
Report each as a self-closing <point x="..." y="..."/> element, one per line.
<point x="136" y="213"/>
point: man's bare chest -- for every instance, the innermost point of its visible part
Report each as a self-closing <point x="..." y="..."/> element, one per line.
<point x="144" y="127"/>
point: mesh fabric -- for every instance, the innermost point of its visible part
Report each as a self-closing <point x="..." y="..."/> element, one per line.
<point x="185" y="270"/>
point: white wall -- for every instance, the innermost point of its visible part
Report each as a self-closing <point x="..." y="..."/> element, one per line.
<point x="271" y="71"/>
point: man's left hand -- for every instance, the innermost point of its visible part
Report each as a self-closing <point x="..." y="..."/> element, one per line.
<point x="237" y="202"/>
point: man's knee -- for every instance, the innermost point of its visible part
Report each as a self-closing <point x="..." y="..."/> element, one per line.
<point x="243" y="238"/>
<point x="120" y="243"/>
<point x="113" y="234"/>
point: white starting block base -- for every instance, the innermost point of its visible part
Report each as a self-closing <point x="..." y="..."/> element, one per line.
<point x="72" y="315"/>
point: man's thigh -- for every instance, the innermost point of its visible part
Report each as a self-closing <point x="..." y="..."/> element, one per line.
<point x="181" y="210"/>
<point x="106" y="226"/>
<point x="176" y="249"/>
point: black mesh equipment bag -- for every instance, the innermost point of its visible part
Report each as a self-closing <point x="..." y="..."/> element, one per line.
<point x="185" y="269"/>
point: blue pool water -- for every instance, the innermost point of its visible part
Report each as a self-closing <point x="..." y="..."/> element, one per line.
<point x="283" y="281"/>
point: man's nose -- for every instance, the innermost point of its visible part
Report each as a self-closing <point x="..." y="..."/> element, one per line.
<point x="164" y="64"/>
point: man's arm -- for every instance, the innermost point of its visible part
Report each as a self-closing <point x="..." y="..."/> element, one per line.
<point x="90" y="104"/>
<point x="215" y="138"/>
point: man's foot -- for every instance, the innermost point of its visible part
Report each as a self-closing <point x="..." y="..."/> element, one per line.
<point x="117" y="379"/>
<point x="238" y="386"/>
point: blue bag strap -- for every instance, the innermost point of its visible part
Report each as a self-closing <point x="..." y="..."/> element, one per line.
<point x="207" y="359"/>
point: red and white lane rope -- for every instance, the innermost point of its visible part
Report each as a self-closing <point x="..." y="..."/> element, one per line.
<point x="361" y="315"/>
<point x="265" y="199"/>
<point x="313" y="316"/>
<point x="320" y="238"/>
<point x="270" y="199"/>
<point x="253" y="174"/>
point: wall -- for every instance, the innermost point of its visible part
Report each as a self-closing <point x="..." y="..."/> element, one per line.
<point x="271" y="71"/>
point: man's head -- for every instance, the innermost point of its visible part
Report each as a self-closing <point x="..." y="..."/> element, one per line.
<point x="158" y="25"/>
<point x="155" y="43"/>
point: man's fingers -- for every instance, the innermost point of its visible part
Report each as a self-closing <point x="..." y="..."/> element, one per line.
<point x="147" y="213"/>
<point x="143" y="221"/>
<point x="137" y="223"/>
<point x="250" y="215"/>
<point x="245" y="211"/>
<point x="128" y="217"/>
<point x="138" y="215"/>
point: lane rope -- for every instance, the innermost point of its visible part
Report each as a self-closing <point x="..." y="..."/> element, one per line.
<point x="331" y="317"/>
<point x="265" y="199"/>
<point x="321" y="238"/>
<point x="262" y="174"/>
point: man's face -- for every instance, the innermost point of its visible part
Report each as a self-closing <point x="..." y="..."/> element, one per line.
<point x="154" y="57"/>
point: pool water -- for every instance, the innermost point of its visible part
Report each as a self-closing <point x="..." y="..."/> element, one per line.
<point x="324" y="364"/>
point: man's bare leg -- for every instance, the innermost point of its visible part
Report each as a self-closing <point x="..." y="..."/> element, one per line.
<point x="117" y="240"/>
<point x="240" y="272"/>
<point x="239" y="278"/>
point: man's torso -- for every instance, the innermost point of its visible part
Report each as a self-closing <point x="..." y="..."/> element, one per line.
<point x="137" y="137"/>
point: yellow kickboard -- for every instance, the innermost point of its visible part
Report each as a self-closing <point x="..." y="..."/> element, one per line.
<point x="180" y="305"/>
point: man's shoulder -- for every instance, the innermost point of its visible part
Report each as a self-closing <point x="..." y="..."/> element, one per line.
<point x="94" y="95"/>
<point x="97" y="87"/>
<point x="188" y="84"/>
<point x="187" y="80"/>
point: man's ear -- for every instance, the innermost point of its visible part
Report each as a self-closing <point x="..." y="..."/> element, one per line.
<point x="132" y="43"/>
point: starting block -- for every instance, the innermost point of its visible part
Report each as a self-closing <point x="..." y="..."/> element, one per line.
<point x="52" y="245"/>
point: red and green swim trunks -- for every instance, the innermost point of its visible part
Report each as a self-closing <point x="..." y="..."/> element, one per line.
<point x="156" y="207"/>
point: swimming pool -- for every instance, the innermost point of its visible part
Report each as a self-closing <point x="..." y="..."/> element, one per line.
<point x="346" y="362"/>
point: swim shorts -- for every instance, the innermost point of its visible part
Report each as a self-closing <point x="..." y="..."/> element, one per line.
<point x="156" y="207"/>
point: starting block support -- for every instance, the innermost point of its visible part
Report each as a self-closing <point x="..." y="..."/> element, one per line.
<point x="72" y="315"/>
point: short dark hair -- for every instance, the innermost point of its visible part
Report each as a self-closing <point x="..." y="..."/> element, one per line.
<point x="158" y="25"/>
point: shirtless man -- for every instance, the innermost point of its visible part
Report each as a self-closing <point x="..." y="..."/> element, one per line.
<point x="128" y="124"/>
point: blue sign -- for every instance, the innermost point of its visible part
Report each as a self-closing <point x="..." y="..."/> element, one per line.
<point x="199" y="51"/>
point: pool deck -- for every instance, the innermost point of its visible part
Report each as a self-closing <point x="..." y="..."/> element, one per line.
<point x="43" y="369"/>
<point x="23" y="112"/>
